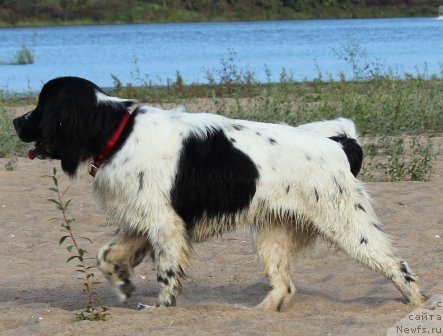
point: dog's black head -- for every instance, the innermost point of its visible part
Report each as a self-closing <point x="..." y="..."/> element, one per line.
<point x="71" y="122"/>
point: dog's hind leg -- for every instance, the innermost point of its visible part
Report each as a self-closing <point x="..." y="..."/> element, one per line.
<point x="117" y="259"/>
<point x="275" y="248"/>
<point x="354" y="228"/>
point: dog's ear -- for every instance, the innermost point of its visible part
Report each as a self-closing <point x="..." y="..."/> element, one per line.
<point x="129" y="102"/>
<point x="106" y="100"/>
<point x="109" y="112"/>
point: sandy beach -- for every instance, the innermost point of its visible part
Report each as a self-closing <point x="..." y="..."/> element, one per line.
<point x="40" y="292"/>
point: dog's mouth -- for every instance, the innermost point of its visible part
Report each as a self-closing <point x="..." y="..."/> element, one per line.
<point x="42" y="150"/>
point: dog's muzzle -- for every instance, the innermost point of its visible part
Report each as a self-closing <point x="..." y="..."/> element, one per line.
<point x="41" y="150"/>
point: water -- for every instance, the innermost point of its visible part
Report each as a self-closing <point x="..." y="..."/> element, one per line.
<point x="155" y="52"/>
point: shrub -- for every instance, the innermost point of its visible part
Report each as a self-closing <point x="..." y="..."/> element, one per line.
<point x="23" y="56"/>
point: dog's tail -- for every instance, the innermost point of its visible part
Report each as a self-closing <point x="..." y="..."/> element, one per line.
<point x="343" y="131"/>
<point x="332" y="128"/>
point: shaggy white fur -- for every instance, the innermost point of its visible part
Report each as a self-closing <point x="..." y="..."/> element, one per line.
<point x="304" y="189"/>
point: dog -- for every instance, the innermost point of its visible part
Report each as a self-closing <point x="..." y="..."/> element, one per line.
<point x="168" y="178"/>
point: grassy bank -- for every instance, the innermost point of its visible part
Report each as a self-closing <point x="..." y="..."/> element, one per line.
<point x="57" y="12"/>
<point x="398" y="118"/>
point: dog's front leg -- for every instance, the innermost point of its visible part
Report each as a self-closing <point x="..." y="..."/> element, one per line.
<point x="117" y="259"/>
<point x="171" y="249"/>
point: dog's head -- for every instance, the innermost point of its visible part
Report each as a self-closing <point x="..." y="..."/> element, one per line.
<point x="71" y="122"/>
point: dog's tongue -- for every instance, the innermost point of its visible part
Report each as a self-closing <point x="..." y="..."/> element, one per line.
<point x="37" y="152"/>
<point x="31" y="154"/>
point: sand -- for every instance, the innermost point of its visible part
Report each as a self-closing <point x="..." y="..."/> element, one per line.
<point x="40" y="292"/>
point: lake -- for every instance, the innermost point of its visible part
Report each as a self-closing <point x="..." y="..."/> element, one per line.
<point x="135" y="53"/>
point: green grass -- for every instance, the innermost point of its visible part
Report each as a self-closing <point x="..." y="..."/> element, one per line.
<point x="23" y="56"/>
<point x="10" y="145"/>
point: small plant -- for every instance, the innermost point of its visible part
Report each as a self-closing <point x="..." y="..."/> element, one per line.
<point x="356" y="57"/>
<point x="396" y="167"/>
<point x="118" y="86"/>
<point x="229" y="75"/>
<point x="399" y="158"/>
<point x="91" y="312"/>
<point x="420" y="166"/>
<point x="24" y="56"/>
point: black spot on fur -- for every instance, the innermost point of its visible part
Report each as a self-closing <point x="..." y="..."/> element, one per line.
<point x="364" y="240"/>
<point x="125" y="161"/>
<point x="378" y="227"/>
<point x="404" y="270"/>
<point x="214" y="179"/>
<point x="170" y="273"/>
<point x="232" y="139"/>
<point x="258" y="133"/>
<point x="164" y="281"/>
<point x="287" y="189"/>
<point x="272" y="141"/>
<point x="280" y="305"/>
<point x="359" y="206"/>
<point x="289" y="290"/>
<point x="340" y="188"/>
<point x="308" y="157"/>
<point x="408" y="278"/>
<point x="181" y="271"/>
<point x="353" y="151"/>
<point x="238" y="127"/>
<point x="140" y="180"/>
<point x="316" y="194"/>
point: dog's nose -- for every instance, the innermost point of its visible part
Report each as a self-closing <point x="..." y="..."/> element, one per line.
<point x="17" y="123"/>
<point x="23" y="130"/>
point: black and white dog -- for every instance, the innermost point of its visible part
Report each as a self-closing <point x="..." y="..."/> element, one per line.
<point x="168" y="177"/>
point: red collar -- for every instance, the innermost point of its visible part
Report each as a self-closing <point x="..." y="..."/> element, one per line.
<point x="98" y="159"/>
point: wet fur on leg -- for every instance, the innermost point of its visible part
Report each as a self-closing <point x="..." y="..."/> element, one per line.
<point x="117" y="260"/>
